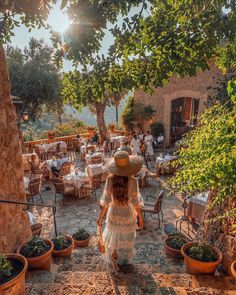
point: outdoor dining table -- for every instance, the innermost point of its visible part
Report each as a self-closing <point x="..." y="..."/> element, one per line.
<point x="26" y="158"/>
<point x="164" y="161"/>
<point x="52" y="147"/>
<point x="116" y="141"/>
<point x="76" y="180"/>
<point x="196" y="206"/>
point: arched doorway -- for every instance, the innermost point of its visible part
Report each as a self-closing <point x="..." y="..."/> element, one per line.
<point x="184" y="111"/>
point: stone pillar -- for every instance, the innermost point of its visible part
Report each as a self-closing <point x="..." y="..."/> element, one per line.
<point x="14" y="222"/>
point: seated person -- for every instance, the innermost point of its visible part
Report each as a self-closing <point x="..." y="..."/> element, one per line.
<point x="95" y="138"/>
<point x="125" y="148"/>
<point x="160" y="138"/>
<point x="62" y="159"/>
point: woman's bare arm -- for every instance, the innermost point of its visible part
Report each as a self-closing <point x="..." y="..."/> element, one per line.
<point x="140" y="216"/>
<point x="101" y="215"/>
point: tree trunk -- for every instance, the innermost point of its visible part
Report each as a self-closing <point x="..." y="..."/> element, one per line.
<point x="219" y="232"/>
<point x="14" y="222"/>
<point x="100" y="110"/>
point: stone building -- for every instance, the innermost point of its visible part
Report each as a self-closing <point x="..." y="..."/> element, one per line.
<point x="178" y="103"/>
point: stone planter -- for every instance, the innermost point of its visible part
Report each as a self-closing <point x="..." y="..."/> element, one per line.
<point x="196" y="267"/>
<point x="81" y="243"/>
<point x="233" y="269"/>
<point x="40" y="262"/>
<point x="17" y="284"/>
<point x="171" y="252"/>
<point x="65" y="252"/>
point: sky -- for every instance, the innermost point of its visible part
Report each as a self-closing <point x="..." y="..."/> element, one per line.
<point x="59" y="22"/>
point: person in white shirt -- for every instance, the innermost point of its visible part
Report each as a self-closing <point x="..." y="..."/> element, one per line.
<point x="140" y="135"/>
<point x="149" y="140"/>
<point x="160" y="138"/>
<point x="135" y="143"/>
<point x="62" y="159"/>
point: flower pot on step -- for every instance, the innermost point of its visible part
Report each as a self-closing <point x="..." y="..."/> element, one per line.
<point x="15" y="284"/>
<point x="43" y="261"/>
<point x="172" y="252"/>
<point x="196" y="267"/>
<point x="65" y="252"/>
<point x="81" y="243"/>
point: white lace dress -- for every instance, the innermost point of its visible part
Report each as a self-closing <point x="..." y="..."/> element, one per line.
<point x="120" y="230"/>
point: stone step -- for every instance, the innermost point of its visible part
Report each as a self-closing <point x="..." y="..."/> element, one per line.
<point x="104" y="289"/>
<point x="96" y="283"/>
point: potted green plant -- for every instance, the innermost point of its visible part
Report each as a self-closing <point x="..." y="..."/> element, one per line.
<point x="201" y="258"/>
<point x="38" y="253"/>
<point x="63" y="246"/>
<point x="173" y="244"/>
<point x="81" y="238"/>
<point x="12" y="274"/>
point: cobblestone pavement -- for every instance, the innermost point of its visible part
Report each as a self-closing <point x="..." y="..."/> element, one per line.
<point x="86" y="272"/>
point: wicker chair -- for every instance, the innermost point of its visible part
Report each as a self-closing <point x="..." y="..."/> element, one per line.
<point x="156" y="208"/>
<point x="96" y="159"/>
<point x="91" y="148"/>
<point x="62" y="189"/>
<point x="34" y="189"/>
<point x="65" y="169"/>
<point x="93" y="185"/>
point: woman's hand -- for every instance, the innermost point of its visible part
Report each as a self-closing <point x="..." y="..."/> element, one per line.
<point x="99" y="221"/>
<point x="141" y="223"/>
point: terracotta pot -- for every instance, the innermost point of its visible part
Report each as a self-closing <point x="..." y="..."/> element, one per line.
<point x="83" y="243"/>
<point x="17" y="284"/>
<point x="196" y="267"/>
<point x="65" y="252"/>
<point x="171" y="252"/>
<point x="233" y="269"/>
<point x="40" y="262"/>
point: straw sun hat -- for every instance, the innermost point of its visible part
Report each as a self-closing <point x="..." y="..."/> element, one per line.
<point x="124" y="165"/>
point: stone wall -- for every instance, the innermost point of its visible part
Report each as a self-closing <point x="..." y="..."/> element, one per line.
<point x="195" y="87"/>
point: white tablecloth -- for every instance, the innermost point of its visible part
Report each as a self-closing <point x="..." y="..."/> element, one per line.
<point x="51" y="163"/>
<point x="52" y="147"/>
<point x="94" y="169"/>
<point x="25" y="158"/>
<point x="160" y="160"/>
<point x="26" y="182"/>
<point x="74" y="179"/>
<point x="117" y="141"/>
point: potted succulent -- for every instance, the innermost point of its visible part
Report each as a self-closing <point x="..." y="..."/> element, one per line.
<point x="233" y="269"/>
<point x="63" y="246"/>
<point x="81" y="238"/>
<point x="12" y="274"/>
<point x="201" y="258"/>
<point x="173" y="244"/>
<point x="38" y="253"/>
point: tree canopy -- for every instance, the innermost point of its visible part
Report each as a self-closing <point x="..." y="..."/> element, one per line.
<point x="34" y="77"/>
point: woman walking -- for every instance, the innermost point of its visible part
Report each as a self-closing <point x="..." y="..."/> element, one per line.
<point x="122" y="202"/>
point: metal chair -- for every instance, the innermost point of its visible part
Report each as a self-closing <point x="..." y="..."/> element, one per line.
<point x="62" y="189"/>
<point x="156" y="208"/>
<point x="34" y="189"/>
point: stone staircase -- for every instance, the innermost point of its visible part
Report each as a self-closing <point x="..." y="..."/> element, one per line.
<point x="86" y="274"/>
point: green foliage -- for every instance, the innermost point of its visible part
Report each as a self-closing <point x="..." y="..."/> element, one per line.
<point x="81" y="235"/>
<point x="157" y="128"/>
<point x="74" y="127"/>
<point x="208" y="157"/>
<point x="136" y="112"/>
<point x="61" y="243"/>
<point x="202" y="252"/>
<point x="35" y="247"/>
<point x="34" y="78"/>
<point x="176" y="242"/>
<point x="5" y="267"/>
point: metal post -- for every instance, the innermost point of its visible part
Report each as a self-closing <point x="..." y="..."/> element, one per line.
<point x="54" y="219"/>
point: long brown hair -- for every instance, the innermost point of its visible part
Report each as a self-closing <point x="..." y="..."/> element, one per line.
<point x="120" y="189"/>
